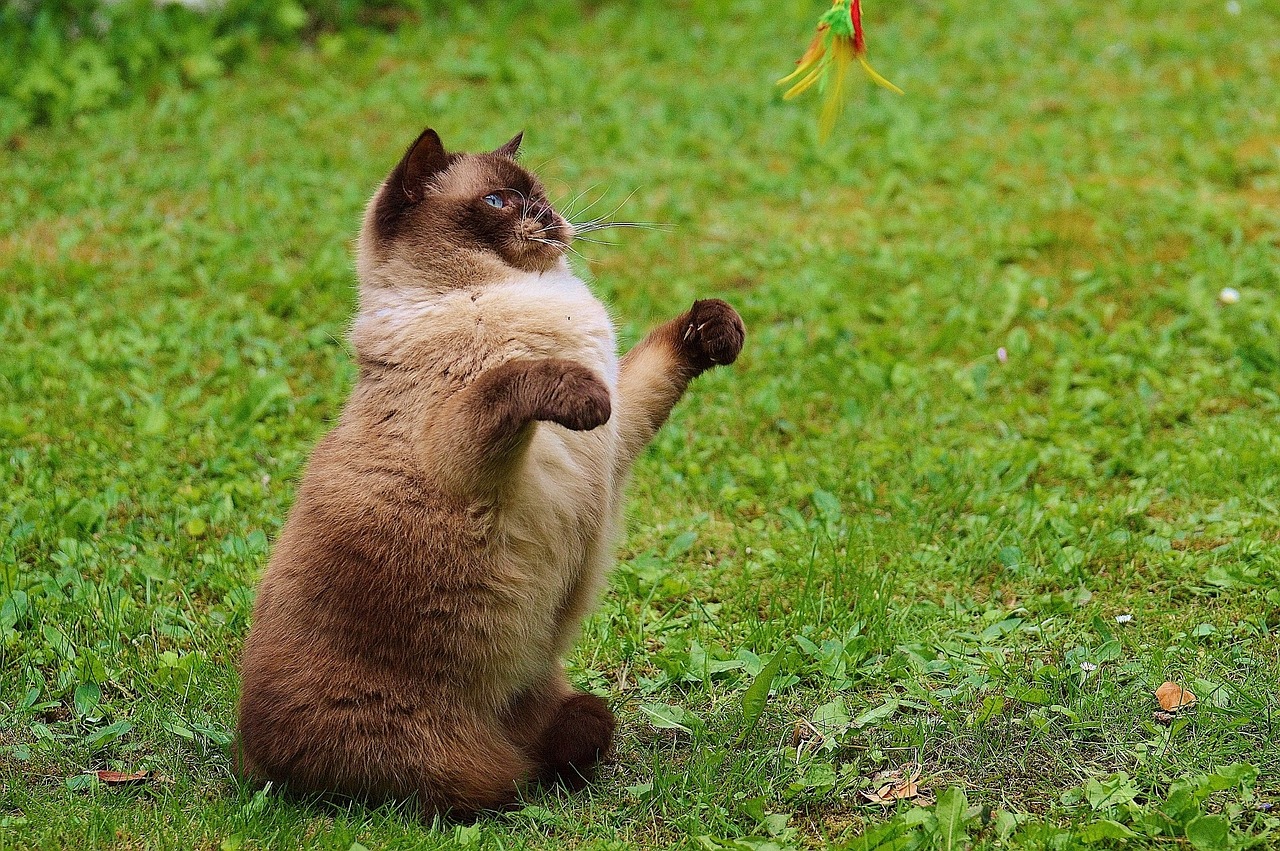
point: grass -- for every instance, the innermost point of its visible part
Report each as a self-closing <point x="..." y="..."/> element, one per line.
<point x="937" y="543"/>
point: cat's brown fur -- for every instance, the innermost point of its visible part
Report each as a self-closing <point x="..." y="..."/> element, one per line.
<point x="455" y="527"/>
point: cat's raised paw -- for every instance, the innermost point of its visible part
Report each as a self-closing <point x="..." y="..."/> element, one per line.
<point x="714" y="333"/>
<point x="574" y="397"/>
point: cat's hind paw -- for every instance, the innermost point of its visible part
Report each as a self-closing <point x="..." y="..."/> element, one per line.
<point x="578" y="737"/>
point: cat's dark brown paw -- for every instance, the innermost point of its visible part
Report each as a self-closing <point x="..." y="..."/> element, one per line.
<point x="713" y="334"/>
<point x="578" y="737"/>
<point x="574" y="396"/>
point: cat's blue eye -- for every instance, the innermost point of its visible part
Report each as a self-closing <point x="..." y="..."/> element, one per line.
<point x="495" y="200"/>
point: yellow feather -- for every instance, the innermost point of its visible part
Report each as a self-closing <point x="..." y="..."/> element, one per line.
<point x="833" y="103"/>
<point x="812" y="56"/>
<point x="871" y="72"/>
<point x="803" y="86"/>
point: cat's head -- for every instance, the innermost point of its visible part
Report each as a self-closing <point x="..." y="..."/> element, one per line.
<point x="446" y="215"/>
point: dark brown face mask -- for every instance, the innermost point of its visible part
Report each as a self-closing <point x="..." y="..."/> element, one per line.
<point x="441" y="203"/>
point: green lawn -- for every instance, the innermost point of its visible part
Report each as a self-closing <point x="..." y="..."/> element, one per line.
<point x="938" y="543"/>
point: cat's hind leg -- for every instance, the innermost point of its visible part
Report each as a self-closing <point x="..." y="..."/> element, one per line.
<point x="451" y="766"/>
<point x="566" y="732"/>
<point x="474" y="773"/>
<point x="579" y="736"/>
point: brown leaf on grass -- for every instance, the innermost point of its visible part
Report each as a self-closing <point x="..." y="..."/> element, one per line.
<point x="900" y="784"/>
<point x="119" y="778"/>
<point x="1173" y="697"/>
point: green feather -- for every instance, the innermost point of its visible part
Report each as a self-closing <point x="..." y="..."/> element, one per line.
<point x="839" y="19"/>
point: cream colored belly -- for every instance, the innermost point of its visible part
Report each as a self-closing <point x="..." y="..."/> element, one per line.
<point x="555" y="527"/>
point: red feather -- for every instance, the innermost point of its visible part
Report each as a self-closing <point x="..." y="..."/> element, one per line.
<point x="855" y="18"/>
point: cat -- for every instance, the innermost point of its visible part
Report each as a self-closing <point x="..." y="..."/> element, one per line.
<point x="455" y="527"/>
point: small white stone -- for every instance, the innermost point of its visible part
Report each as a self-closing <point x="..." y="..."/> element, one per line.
<point x="1233" y="8"/>
<point x="1002" y="354"/>
<point x="1123" y="618"/>
<point x="1229" y="295"/>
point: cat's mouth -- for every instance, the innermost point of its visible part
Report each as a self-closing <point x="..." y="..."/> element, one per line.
<point x="544" y="235"/>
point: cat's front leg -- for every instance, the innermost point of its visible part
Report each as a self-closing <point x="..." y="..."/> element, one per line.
<point x="471" y="441"/>
<point x="566" y="393"/>
<point x="712" y="335"/>
<point x="656" y="372"/>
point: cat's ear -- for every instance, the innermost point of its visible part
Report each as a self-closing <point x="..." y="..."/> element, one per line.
<point x="424" y="160"/>
<point x="512" y="148"/>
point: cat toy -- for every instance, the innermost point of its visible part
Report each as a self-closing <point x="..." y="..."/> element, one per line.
<point x="838" y="42"/>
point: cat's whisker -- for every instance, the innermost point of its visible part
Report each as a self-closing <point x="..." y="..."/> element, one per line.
<point x="606" y="216"/>
<point x="546" y="241"/>
<point x="569" y="204"/>
<point x="604" y="221"/>
<point x="619" y="206"/>
<point x="548" y="161"/>
<point x="558" y="243"/>
<point x="595" y="241"/>
<point x="588" y="227"/>
<point x="599" y="198"/>
<point x="545" y="228"/>
<point x="560" y="197"/>
<point x="586" y="193"/>
<point x="563" y="246"/>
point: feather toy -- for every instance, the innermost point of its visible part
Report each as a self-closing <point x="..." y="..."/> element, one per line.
<point x="838" y="43"/>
